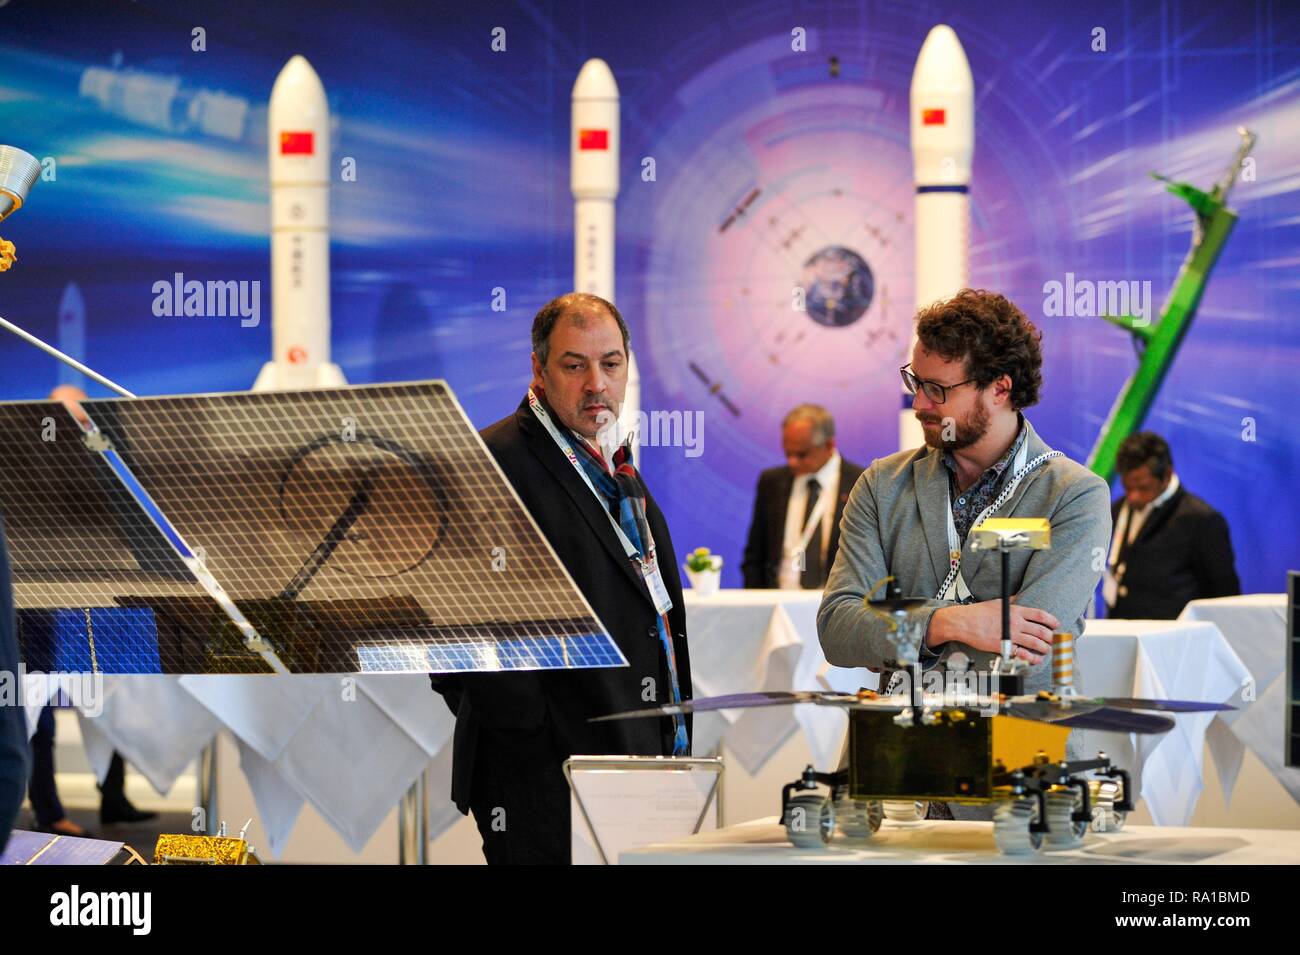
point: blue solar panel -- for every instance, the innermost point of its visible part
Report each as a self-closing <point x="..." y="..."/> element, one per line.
<point x="98" y="586"/>
<point x="333" y="530"/>
<point x="43" y="848"/>
<point x="532" y="653"/>
<point x="91" y="640"/>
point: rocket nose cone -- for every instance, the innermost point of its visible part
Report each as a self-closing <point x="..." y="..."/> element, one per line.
<point x="942" y="63"/>
<point x="298" y="74"/>
<point x="595" y="81"/>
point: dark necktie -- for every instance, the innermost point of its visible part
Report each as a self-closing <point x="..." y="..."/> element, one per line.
<point x="811" y="578"/>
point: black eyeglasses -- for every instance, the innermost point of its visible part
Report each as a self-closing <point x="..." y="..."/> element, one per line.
<point x="933" y="390"/>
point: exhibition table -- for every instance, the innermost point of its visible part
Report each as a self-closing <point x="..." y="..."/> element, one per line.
<point x="351" y="746"/>
<point x="763" y="842"/>
<point x="767" y="639"/>
<point x="746" y="640"/>
<point x="1161" y="659"/>
<point x="1255" y="626"/>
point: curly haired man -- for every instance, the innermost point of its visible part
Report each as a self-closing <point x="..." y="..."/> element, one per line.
<point x="976" y="366"/>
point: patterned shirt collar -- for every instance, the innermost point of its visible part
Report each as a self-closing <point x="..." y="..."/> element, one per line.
<point x="967" y="505"/>
<point x="996" y="470"/>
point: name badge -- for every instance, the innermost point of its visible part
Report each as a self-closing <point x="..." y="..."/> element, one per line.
<point x="655" y="582"/>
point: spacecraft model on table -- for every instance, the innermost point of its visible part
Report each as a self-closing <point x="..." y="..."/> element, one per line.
<point x="194" y="849"/>
<point x="1000" y="747"/>
<point x="906" y="749"/>
<point x="1158" y="342"/>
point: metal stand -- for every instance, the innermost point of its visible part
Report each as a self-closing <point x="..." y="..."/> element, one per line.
<point x="1006" y="605"/>
<point x="640" y="765"/>
<point x="413" y="824"/>
<point x="208" y="786"/>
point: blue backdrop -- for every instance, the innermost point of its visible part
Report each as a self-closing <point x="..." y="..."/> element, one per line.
<point x="462" y="186"/>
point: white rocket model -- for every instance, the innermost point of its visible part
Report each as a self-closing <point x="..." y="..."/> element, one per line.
<point x="298" y="134"/>
<point x="943" y="142"/>
<point x="594" y="180"/>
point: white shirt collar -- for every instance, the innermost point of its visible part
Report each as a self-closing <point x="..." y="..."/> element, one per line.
<point x="1165" y="495"/>
<point x="825" y="473"/>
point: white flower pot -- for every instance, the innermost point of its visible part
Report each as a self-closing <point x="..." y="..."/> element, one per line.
<point x="705" y="582"/>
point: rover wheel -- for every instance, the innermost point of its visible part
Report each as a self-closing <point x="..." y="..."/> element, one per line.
<point x="1062" y="831"/>
<point x="1105" y="817"/>
<point x="1011" y="821"/>
<point x="911" y="811"/>
<point x="809" y="820"/>
<point x="858" y="819"/>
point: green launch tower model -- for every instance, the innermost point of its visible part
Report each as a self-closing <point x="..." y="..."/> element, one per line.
<point x="1158" y="343"/>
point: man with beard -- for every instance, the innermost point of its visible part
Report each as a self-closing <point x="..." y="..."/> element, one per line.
<point x="514" y="730"/>
<point x="975" y="367"/>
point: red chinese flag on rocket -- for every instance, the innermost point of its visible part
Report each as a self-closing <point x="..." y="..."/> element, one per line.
<point x="299" y="144"/>
<point x="932" y="117"/>
<point x="593" y="139"/>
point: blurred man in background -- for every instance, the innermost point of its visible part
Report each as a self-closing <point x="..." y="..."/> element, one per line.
<point x="1169" y="546"/>
<point x="795" y="530"/>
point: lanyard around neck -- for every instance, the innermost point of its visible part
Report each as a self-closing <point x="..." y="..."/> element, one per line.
<point x="954" y="586"/>
<point x="544" y="417"/>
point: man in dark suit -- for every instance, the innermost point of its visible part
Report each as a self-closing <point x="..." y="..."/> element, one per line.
<point x="14" y="754"/>
<point x="514" y="730"/>
<point x="795" y="530"/>
<point x="1169" y="546"/>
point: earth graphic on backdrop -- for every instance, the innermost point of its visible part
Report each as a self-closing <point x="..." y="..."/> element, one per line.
<point x="838" y="286"/>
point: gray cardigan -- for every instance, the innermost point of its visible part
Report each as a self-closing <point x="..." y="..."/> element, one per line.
<point x="895" y="522"/>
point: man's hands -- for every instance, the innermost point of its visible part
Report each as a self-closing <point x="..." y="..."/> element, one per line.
<point x="979" y="625"/>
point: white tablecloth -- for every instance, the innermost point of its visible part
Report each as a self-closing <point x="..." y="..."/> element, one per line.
<point x="1161" y="659"/>
<point x="746" y="640"/>
<point x="151" y="720"/>
<point x="763" y="842"/>
<point x="352" y="749"/>
<point x="351" y="746"/>
<point x="1255" y="626"/>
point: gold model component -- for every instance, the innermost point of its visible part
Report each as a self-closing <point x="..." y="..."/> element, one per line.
<point x="1018" y="742"/>
<point x="1063" y="661"/>
<point x="203" y="850"/>
<point x="955" y="758"/>
<point x="1029" y="533"/>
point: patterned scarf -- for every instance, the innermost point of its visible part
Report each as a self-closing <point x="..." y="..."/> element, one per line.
<point x="622" y="487"/>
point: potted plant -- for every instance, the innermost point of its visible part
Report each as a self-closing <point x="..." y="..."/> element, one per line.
<point x="705" y="571"/>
